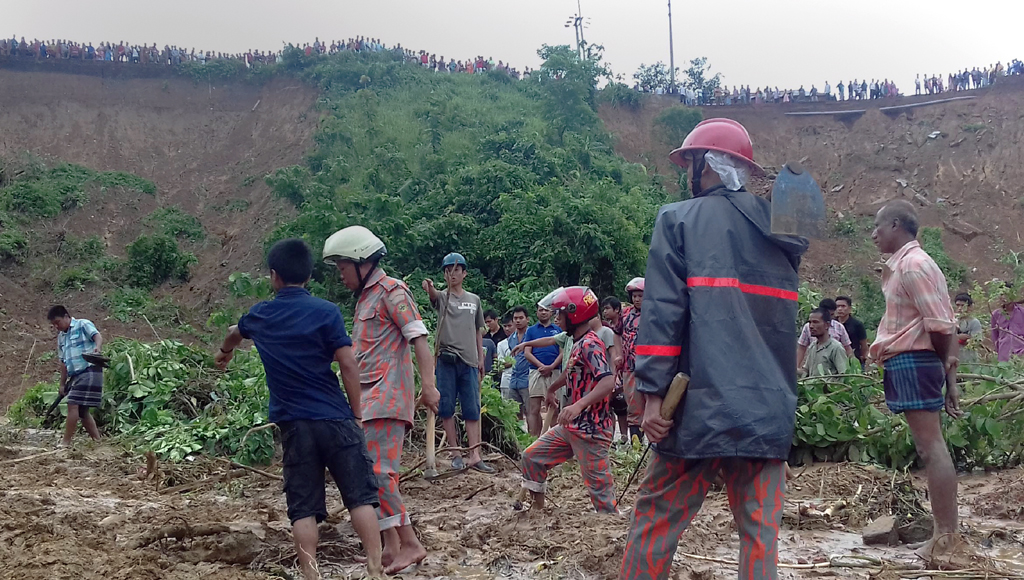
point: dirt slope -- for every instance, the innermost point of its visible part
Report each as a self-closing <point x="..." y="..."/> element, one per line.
<point x="203" y="145"/>
<point x="974" y="166"/>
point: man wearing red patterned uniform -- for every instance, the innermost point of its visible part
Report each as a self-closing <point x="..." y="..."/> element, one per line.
<point x="628" y="329"/>
<point x="585" y="426"/>
<point x="721" y="307"/>
<point x="386" y="324"/>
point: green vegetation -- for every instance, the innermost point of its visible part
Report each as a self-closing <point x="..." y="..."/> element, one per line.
<point x="40" y="192"/>
<point x="13" y="245"/>
<point x="974" y="127"/>
<point x="175" y="223"/>
<point x="620" y="95"/>
<point x="75" y="278"/>
<point x="931" y="242"/>
<point x="155" y="259"/>
<point x="129" y="304"/>
<point x="845" y="418"/>
<point x="74" y="249"/>
<point x="674" y="123"/>
<point x="518" y="176"/>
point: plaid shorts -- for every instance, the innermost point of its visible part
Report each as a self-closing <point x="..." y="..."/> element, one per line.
<point x="913" y="382"/>
<point x="86" y="388"/>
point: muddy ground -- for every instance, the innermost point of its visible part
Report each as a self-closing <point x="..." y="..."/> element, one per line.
<point x="78" y="513"/>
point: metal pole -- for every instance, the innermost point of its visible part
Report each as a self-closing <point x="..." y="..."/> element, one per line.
<point x="671" y="53"/>
<point x="579" y="13"/>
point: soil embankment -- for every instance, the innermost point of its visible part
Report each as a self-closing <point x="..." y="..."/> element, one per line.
<point x="206" y="146"/>
<point x="960" y="162"/>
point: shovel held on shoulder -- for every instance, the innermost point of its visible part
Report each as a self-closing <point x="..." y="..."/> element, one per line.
<point x="798" y="205"/>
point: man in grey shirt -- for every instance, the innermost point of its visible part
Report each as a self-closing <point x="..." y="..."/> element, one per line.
<point x="460" y="357"/>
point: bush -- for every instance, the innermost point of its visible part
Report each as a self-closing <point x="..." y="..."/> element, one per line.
<point x="42" y="193"/>
<point x="175" y="223"/>
<point x="620" y="95"/>
<point x="674" y="123"/>
<point x="75" y="279"/>
<point x="28" y="410"/>
<point x="127" y="304"/>
<point x="82" y="249"/>
<point x="153" y="260"/>
<point x="13" y="246"/>
<point x="931" y="242"/>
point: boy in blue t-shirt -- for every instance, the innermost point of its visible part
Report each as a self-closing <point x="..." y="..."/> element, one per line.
<point x="544" y="362"/>
<point x="298" y="336"/>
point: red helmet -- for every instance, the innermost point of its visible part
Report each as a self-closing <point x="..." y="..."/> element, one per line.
<point x="579" y="303"/>
<point x="723" y="135"/>
<point x="634" y="285"/>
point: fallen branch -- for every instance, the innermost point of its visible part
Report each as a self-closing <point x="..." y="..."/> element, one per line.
<point x="178" y="532"/>
<point x="850" y="561"/>
<point x="30" y="457"/>
<point x="255" y="429"/>
<point x="472" y="495"/>
<point x="222" y="478"/>
<point x="252" y="469"/>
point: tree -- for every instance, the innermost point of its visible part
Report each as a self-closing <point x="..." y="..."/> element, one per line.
<point x="569" y="84"/>
<point x="697" y="79"/>
<point x="653" y="77"/>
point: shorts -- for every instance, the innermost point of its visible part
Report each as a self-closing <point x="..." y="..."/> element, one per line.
<point x="457" y="380"/>
<point x="539" y="384"/>
<point x="521" y="396"/>
<point x="86" y="388"/>
<point x="913" y="381"/>
<point x="309" y="447"/>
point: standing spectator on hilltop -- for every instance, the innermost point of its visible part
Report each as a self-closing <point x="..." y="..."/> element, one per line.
<point x="863" y="89"/>
<point x="839" y="88"/>
<point x="1008" y="329"/>
<point x="81" y="381"/>
<point x="828" y="91"/>
<point x="917" y="85"/>
<point x="854" y="328"/>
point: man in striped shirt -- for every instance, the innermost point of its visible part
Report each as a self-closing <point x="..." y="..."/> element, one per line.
<point x="915" y="344"/>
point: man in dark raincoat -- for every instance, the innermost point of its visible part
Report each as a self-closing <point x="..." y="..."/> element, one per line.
<point x="720" y="305"/>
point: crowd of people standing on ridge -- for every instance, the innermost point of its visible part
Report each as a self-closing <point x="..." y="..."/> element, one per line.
<point x="854" y="90"/>
<point x="172" y="55"/>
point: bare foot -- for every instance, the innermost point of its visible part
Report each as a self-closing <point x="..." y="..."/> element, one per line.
<point x="408" y="556"/>
<point x="388" y="555"/>
<point x="945" y="552"/>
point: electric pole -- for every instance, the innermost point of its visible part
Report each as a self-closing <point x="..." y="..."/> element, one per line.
<point x="671" y="54"/>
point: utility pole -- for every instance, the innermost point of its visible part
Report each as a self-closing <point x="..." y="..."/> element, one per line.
<point x="671" y="53"/>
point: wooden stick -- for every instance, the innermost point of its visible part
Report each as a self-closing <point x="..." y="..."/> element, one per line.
<point x="30" y="457"/>
<point x="252" y="469"/>
<point x="472" y="495"/>
<point x="222" y="478"/>
<point x="151" y="327"/>
<point x="255" y="429"/>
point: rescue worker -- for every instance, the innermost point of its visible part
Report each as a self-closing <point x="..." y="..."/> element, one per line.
<point x="722" y="308"/>
<point x="386" y="323"/>
<point x="629" y="326"/>
<point x="585" y="428"/>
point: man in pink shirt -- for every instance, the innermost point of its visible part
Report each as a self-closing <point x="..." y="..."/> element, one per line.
<point x="916" y="346"/>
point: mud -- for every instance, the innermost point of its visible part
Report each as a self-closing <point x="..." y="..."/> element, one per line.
<point x="74" y="514"/>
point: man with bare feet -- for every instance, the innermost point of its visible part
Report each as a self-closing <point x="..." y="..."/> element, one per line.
<point x="79" y="380"/>
<point x="916" y="345"/>
<point x="298" y="337"/>
<point x="387" y="323"/>
<point x="585" y="427"/>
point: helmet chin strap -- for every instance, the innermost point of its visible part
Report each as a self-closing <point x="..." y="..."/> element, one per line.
<point x="362" y="279"/>
<point x="696" y="170"/>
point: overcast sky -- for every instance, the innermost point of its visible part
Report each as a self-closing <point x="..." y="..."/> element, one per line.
<point x="757" y="42"/>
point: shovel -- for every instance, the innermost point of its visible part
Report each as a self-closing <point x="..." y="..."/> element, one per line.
<point x="431" y="470"/>
<point x="798" y="206"/>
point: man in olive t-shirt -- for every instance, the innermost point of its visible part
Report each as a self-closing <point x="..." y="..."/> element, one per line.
<point x="460" y="357"/>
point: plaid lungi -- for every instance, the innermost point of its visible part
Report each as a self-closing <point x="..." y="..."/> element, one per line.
<point x="86" y="388"/>
<point x="913" y="381"/>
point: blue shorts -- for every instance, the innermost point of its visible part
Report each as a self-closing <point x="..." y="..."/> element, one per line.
<point x="913" y="381"/>
<point x="457" y="380"/>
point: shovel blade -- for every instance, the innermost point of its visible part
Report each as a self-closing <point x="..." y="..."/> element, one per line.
<point x="798" y="206"/>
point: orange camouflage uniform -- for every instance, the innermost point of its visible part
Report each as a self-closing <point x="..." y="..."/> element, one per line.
<point x="385" y="323"/>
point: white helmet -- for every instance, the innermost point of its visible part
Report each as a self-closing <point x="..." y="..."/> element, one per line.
<point x="355" y="244"/>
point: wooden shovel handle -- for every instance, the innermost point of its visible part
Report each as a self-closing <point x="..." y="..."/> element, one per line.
<point x="674" y="395"/>
<point x="431" y="429"/>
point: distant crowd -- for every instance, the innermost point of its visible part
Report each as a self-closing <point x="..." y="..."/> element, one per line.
<point x="854" y="90"/>
<point x="172" y="55"/>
